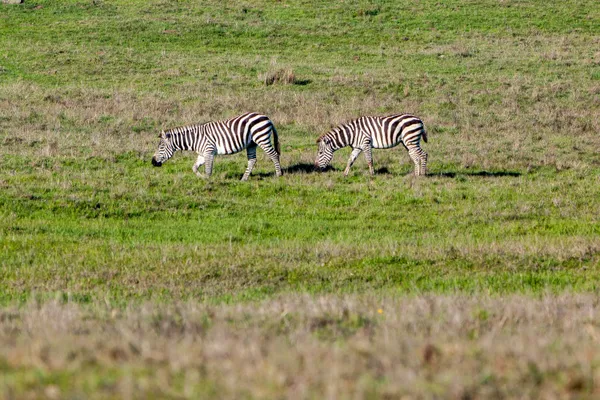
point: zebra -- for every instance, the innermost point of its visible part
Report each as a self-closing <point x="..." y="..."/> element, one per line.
<point x="366" y="133"/>
<point x="245" y="131"/>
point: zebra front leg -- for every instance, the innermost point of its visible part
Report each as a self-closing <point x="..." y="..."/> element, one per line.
<point x="419" y="158"/>
<point x="351" y="160"/>
<point x="197" y="164"/>
<point x="251" y="152"/>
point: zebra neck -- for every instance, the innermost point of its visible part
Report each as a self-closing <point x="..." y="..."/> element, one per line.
<point x="339" y="139"/>
<point x="184" y="140"/>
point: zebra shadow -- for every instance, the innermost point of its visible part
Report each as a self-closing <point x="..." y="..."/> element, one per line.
<point x="309" y="168"/>
<point x="306" y="168"/>
<point x="300" y="168"/>
<point x="485" y="174"/>
<point x="383" y="171"/>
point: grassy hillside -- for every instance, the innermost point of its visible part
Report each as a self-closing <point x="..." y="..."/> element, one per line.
<point x="509" y="92"/>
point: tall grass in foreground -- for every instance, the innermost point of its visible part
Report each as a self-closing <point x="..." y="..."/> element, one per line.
<point x="306" y="347"/>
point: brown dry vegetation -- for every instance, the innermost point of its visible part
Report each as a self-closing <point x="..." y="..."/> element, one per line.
<point x="283" y="76"/>
<point x="308" y="347"/>
<point x="561" y="133"/>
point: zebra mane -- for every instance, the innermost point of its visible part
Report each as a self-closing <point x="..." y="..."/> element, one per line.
<point x="182" y="129"/>
<point x="325" y="134"/>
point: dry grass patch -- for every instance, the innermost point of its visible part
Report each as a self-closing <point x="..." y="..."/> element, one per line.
<point x="284" y="76"/>
<point x="304" y="347"/>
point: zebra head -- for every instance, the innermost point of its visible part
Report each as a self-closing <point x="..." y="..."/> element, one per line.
<point x="165" y="149"/>
<point x="325" y="153"/>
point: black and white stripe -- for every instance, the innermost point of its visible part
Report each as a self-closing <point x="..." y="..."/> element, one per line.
<point x="246" y="131"/>
<point x="366" y="133"/>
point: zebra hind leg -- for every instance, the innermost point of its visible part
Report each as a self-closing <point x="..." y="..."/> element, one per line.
<point x="369" y="156"/>
<point x="416" y="155"/>
<point x="208" y="165"/>
<point x="251" y="152"/>
<point x="249" y="169"/>
<point x="423" y="170"/>
<point x="273" y="156"/>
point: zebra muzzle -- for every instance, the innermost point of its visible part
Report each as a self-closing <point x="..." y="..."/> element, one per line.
<point x="156" y="163"/>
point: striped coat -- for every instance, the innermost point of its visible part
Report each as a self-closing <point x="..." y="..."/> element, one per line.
<point x="365" y="133"/>
<point x="246" y="131"/>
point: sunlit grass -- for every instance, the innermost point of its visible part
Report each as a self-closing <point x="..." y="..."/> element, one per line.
<point x="120" y="279"/>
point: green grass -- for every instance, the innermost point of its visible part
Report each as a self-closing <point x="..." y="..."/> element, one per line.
<point x="510" y="206"/>
<point x="122" y="229"/>
<point x="509" y="92"/>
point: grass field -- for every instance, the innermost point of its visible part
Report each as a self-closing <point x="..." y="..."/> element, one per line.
<point x="123" y="280"/>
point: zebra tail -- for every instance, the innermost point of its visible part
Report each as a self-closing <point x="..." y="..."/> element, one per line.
<point x="424" y="136"/>
<point x="276" y="141"/>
